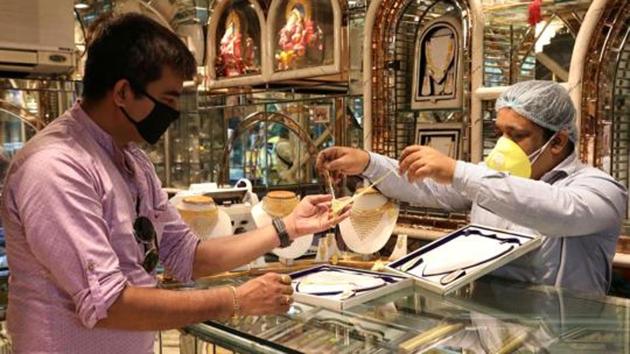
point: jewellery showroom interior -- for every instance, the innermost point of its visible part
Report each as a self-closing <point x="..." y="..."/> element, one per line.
<point x="356" y="176"/>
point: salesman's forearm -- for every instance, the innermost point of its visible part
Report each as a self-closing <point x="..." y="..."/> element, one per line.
<point x="145" y="309"/>
<point x="225" y="253"/>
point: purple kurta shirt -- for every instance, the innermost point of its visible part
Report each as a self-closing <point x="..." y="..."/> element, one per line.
<point x="69" y="202"/>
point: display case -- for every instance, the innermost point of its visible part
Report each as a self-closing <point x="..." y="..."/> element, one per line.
<point x="490" y="316"/>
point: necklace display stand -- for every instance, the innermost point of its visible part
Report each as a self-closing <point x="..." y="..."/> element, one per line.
<point x="371" y="222"/>
<point x="281" y="204"/>
<point x="327" y="250"/>
<point x="400" y="249"/>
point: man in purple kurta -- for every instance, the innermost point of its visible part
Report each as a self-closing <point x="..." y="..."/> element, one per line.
<point x="86" y="218"/>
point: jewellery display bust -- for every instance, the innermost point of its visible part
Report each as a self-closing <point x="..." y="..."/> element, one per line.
<point x="278" y="204"/>
<point x="371" y="222"/>
<point x="203" y="216"/>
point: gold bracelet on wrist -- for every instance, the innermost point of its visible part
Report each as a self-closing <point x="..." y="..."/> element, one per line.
<point x="236" y="307"/>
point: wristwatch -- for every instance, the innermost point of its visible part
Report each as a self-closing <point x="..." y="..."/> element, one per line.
<point x="281" y="229"/>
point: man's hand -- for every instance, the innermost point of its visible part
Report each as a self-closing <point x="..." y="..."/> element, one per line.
<point x="420" y="162"/>
<point x="342" y="161"/>
<point x="269" y="294"/>
<point x="313" y="215"/>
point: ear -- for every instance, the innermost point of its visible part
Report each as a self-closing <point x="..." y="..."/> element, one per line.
<point x="121" y="92"/>
<point x="559" y="142"/>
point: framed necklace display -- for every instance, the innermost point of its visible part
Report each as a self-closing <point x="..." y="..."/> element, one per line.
<point x="463" y="256"/>
<point x="437" y="75"/>
<point x="444" y="137"/>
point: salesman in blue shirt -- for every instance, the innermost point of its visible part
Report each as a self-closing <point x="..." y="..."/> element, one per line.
<point x="532" y="182"/>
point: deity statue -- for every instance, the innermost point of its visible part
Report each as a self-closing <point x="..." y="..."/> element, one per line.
<point x="298" y="35"/>
<point x="235" y="58"/>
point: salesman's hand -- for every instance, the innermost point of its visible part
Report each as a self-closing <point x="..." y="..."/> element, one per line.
<point x="312" y="215"/>
<point x="266" y="295"/>
<point x="420" y="162"/>
<point x="342" y="160"/>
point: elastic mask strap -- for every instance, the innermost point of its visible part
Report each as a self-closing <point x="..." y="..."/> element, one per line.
<point x="536" y="154"/>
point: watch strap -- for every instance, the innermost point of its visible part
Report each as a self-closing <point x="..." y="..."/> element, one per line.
<point x="281" y="230"/>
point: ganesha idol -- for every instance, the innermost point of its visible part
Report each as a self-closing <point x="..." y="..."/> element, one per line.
<point x="235" y="57"/>
<point x="297" y="36"/>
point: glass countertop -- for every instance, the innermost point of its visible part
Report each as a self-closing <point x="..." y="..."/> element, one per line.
<point x="489" y="316"/>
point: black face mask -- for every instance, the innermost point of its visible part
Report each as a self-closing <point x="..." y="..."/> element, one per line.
<point x="153" y="126"/>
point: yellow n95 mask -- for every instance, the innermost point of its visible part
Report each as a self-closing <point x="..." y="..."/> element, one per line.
<point x="507" y="156"/>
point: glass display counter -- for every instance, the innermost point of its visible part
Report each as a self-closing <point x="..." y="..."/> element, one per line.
<point x="490" y="316"/>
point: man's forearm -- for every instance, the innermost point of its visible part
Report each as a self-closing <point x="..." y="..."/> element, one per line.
<point x="225" y="253"/>
<point x="145" y="309"/>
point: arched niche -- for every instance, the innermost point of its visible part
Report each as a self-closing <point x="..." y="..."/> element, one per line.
<point x="385" y="130"/>
<point x="318" y="52"/>
<point x="601" y="85"/>
<point x="236" y="47"/>
<point x="255" y="119"/>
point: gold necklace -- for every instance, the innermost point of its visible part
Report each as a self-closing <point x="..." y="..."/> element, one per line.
<point x="365" y="221"/>
<point x="200" y="213"/>
<point x="279" y="203"/>
<point x="438" y="71"/>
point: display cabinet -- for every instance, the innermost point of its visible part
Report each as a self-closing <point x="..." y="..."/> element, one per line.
<point x="26" y="106"/>
<point x="489" y="316"/>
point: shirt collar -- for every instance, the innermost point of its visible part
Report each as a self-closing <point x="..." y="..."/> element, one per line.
<point x="565" y="168"/>
<point x="100" y="136"/>
<point x="104" y="139"/>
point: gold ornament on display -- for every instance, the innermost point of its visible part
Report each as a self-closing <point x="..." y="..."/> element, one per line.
<point x="339" y="204"/>
<point x="279" y="203"/>
<point x="365" y="221"/>
<point x="438" y="63"/>
<point x="200" y="213"/>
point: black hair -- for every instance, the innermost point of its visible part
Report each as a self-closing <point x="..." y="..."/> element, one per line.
<point x="132" y="47"/>
<point x="548" y="133"/>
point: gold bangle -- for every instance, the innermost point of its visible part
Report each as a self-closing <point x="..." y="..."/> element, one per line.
<point x="236" y="307"/>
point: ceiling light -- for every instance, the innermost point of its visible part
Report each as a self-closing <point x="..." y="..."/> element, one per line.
<point x="81" y="6"/>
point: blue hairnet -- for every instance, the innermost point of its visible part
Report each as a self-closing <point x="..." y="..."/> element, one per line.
<point x="545" y="103"/>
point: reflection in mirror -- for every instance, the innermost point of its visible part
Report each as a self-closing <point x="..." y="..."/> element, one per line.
<point x="270" y="148"/>
<point x="16" y="127"/>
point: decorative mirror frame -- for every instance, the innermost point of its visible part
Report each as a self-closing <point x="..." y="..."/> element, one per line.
<point x="314" y="71"/>
<point x="245" y="80"/>
<point x="255" y="118"/>
<point x="437" y="102"/>
<point x="425" y="132"/>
